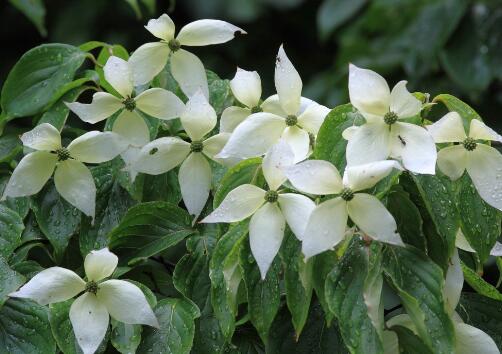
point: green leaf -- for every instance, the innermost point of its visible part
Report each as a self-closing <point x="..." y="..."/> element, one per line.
<point x="226" y="276"/>
<point x="323" y="265"/>
<point x="456" y="105"/>
<point x="10" y="281"/>
<point x="21" y="205"/>
<point x="10" y="146"/>
<point x="11" y="228"/>
<point x="297" y="280"/>
<point x="479" y="284"/>
<point x="334" y="13"/>
<point x="220" y="95"/>
<point x="409" y="342"/>
<point x="175" y="335"/>
<point x="24" y="328"/>
<point x="330" y="144"/>
<point x="125" y="337"/>
<point x="35" y="11"/>
<point x="57" y="218"/>
<point x="164" y="187"/>
<point x="434" y="195"/>
<point x="263" y="296"/>
<point x="419" y="283"/>
<point x="247" y="171"/>
<point x="345" y="286"/>
<point x="37" y="77"/>
<point x="148" y="229"/>
<point x="480" y="223"/>
<point x="483" y="313"/>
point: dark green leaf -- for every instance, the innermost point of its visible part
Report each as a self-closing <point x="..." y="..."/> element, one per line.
<point x="220" y="95"/>
<point x="21" y="205"/>
<point x="479" y="284"/>
<point x="10" y="281"/>
<point x="323" y="265"/>
<point x="10" y="146"/>
<point x="409" y="342"/>
<point x="35" y="11"/>
<point x="11" y="227"/>
<point x="163" y="187"/>
<point x="334" y="13"/>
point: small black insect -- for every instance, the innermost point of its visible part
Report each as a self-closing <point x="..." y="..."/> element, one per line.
<point x="402" y="140"/>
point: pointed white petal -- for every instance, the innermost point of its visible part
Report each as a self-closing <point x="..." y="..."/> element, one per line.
<point x="51" y="285"/>
<point x="103" y="105"/>
<point x="130" y="156"/>
<point x="287" y="83"/>
<point x="214" y="144"/>
<point x="126" y="302"/>
<point x="452" y="161"/>
<point x="448" y="129"/>
<point x="348" y="133"/>
<point x="132" y="127"/>
<point x="254" y="136"/>
<point x="481" y="131"/>
<point x="462" y="243"/>
<point x="273" y="105"/>
<point x="453" y="283"/>
<point x="299" y="141"/>
<point x="415" y="147"/>
<point x="470" y="340"/>
<point x="296" y="208"/>
<point x="402" y="102"/>
<point x="162" y="27"/>
<point x="100" y="264"/>
<point x="31" y="174"/>
<point x="313" y="117"/>
<point x="246" y="87"/>
<point x="207" y="32"/>
<point x="266" y="231"/>
<point x="160" y="103"/>
<point x="231" y="117"/>
<point x="368" y="91"/>
<point x="199" y="118"/>
<point x="97" y="147"/>
<point x="484" y="165"/>
<point x="195" y="182"/>
<point x="277" y="158"/>
<point x="162" y="155"/>
<point x="189" y="72"/>
<point x="119" y="74"/>
<point x="89" y="319"/>
<point x="496" y="251"/>
<point x="147" y="61"/>
<point x="403" y="320"/>
<point x="366" y="176"/>
<point x="371" y="216"/>
<point x="42" y="137"/>
<point x="315" y="177"/>
<point x="75" y="184"/>
<point x="369" y="143"/>
<point x="325" y="228"/>
<point x="239" y="204"/>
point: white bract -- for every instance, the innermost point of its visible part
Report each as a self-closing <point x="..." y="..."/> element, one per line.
<point x="462" y="243"/>
<point x="286" y="116"/>
<point x="269" y="210"/>
<point x="482" y="162"/>
<point x="328" y="222"/>
<point x="72" y="178"/>
<point x="149" y="59"/>
<point x="90" y="312"/>
<point x="468" y="339"/>
<point x="155" y="102"/>
<point x="384" y="135"/>
<point x="163" y="154"/>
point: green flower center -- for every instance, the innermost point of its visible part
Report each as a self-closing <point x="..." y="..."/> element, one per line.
<point x="256" y="109"/>
<point x="91" y="287"/>
<point x="347" y="194"/>
<point x="271" y="196"/>
<point x="469" y="144"/>
<point x="196" y="146"/>
<point x="129" y="104"/>
<point x="63" y="154"/>
<point x="390" y="118"/>
<point x="174" y="44"/>
<point x="291" y="120"/>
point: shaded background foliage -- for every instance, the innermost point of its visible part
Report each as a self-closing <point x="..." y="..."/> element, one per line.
<point x="440" y="46"/>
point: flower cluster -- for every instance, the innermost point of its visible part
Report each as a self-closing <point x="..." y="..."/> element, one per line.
<point x="309" y="196"/>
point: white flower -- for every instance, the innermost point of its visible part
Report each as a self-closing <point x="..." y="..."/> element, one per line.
<point x="286" y="115"/>
<point x="327" y="223"/>
<point x="468" y="339"/>
<point x="246" y="88"/>
<point x="72" y="178"/>
<point x="149" y="59"/>
<point x="269" y="209"/>
<point x="384" y="135"/>
<point x="163" y="154"/>
<point x="482" y="162"/>
<point x="90" y="312"/>
<point x="155" y="102"/>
